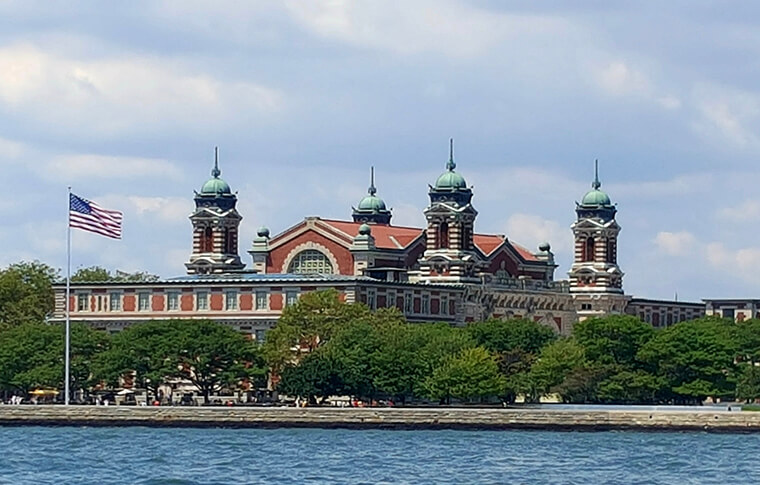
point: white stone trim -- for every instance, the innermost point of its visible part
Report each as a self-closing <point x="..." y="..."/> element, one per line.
<point x="306" y="246"/>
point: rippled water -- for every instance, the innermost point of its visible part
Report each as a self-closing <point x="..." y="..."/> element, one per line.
<point x="196" y="456"/>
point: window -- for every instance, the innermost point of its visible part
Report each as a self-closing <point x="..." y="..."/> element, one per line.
<point x="371" y="298"/>
<point x="443" y="235"/>
<point x="115" y="303"/>
<point x="444" y="305"/>
<point x="143" y="302"/>
<point x="100" y="303"/>
<point x="172" y="301"/>
<point x="231" y="300"/>
<point x="259" y="335"/>
<point x="310" y="261"/>
<point x="585" y="306"/>
<point x="291" y="297"/>
<point x="82" y="302"/>
<point x="589" y="256"/>
<point x="408" y="303"/>
<point x="425" y="304"/>
<point x="262" y="300"/>
<point x="729" y="313"/>
<point x="201" y="300"/>
<point x="390" y="300"/>
<point x="207" y="240"/>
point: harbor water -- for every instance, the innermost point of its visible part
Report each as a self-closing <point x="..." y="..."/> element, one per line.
<point x="200" y="456"/>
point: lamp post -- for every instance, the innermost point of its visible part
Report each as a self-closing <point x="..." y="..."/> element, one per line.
<point x="147" y="395"/>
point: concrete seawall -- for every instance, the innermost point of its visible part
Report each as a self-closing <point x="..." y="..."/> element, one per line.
<point x="382" y="418"/>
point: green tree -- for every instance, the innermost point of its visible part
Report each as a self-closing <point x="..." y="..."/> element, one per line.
<point x="98" y="274"/>
<point x="748" y="385"/>
<point x="26" y="293"/>
<point x="517" y="343"/>
<point x="32" y="356"/>
<point x="471" y="374"/>
<point x="747" y="335"/>
<point x="213" y="356"/>
<point x="148" y="349"/>
<point x="695" y="359"/>
<point x="615" y="339"/>
<point x="555" y="362"/>
<point x="318" y="376"/>
<point x="308" y="324"/>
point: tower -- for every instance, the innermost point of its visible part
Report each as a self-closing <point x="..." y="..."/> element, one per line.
<point x="371" y="209"/>
<point x="450" y="254"/>
<point x="596" y="280"/>
<point x="215" y="227"/>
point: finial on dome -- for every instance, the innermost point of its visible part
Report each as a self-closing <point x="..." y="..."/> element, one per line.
<point x="216" y="172"/>
<point x="451" y="165"/>
<point x="365" y="230"/>
<point x="372" y="190"/>
<point x="596" y="183"/>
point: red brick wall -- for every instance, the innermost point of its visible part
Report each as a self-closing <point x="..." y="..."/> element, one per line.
<point x="381" y="301"/>
<point x="435" y="307"/>
<point x="157" y="302"/>
<point x="186" y="302"/>
<point x="342" y="255"/>
<point x="275" y="301"/>
<point x="217" y="301"/>
<point x="129" y="303"/>
<point x="246" y="301"/>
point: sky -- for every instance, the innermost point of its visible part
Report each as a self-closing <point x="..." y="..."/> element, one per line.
<point x="125" y="101"/>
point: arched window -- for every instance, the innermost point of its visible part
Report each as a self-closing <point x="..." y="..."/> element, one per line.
<point x="207" y="241"/>
<point x="443" y="235"/>
<point x="229" y="241"/>
<point x="589" y="249"/>
<point x="611" y="252"/>
<point x="310" y="261"/>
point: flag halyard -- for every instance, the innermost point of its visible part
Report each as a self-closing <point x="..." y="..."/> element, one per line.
<point x="89" y="216"/>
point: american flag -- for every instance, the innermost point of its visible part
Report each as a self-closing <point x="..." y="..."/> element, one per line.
<point x="87" y="215"/>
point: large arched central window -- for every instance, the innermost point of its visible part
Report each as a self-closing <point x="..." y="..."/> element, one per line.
<point x="310" y="261"/>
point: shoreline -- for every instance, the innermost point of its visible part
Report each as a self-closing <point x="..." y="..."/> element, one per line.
<point x="383" y="418"/>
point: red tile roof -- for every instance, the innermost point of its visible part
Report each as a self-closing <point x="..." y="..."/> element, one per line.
<point x="399" y="237"/>
<point x="386" y="237"/>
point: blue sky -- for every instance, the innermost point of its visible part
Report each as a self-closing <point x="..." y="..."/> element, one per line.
<point x="126" y="103"/>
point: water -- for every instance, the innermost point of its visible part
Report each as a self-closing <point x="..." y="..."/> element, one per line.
<point x="200" y="456"/>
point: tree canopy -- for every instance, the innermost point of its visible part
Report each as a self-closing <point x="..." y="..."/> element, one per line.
<point x="26" y="293"/>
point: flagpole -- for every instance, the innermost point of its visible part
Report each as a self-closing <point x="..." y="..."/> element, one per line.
<point x="68" y="303"/>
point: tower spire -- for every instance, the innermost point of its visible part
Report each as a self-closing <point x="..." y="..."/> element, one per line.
<point x="372" y="190"/>
<point x="450" y="166"/>
<point x="596" y="183"/>
<point x="216" y="172"/>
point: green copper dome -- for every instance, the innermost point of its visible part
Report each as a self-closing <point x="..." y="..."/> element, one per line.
<point x="215" y="185"/>
<point x="371" y="203"/>
<point x="596" y="197"/>
<point x="450" y="180"/>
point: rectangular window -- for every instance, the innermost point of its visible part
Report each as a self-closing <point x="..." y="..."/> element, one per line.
<point x="425" y="304"/>
<point x="729" y="313"/>
<point x="291" y="297"/>
<point x="390" y="301"/>
<point x="371" y="298"/>
<point x="259" y="335"/>
<point x="143" y="302"/>
<point x="201" y="300"/>
<point x="82" y="302"/>
<point x="115" y="303"/>
<point x="262" y="300"/>
<point x="231" y="299"/>
<point x="408" y="303"/>
<point x="444" y="305"/>
<point x="172" y="301"/>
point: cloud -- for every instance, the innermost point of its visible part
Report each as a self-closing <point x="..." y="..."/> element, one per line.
<point x="727" y="114"/>
<point x="121" y="94"/>
<point x="747" y="211"/>
<point x="743" y="261"/>
<point x="443" y="27"/>
<point x="675" y="243"/>
<point x="532" y="230"/>
<point x="77" y="167"/>
<point x="618" y="78"/>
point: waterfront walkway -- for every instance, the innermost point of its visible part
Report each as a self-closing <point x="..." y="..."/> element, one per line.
<point x="705" y="418"/>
